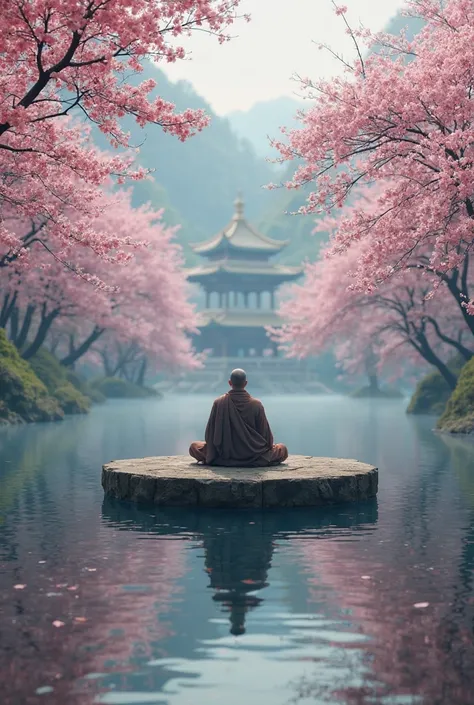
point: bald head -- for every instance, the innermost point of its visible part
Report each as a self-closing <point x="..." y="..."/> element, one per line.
<point x="238" y="379"/>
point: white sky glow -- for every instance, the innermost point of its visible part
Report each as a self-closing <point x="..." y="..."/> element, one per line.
<point x="258" y="64"/>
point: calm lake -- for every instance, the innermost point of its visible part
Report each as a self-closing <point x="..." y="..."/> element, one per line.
<point x="103" y="602"/>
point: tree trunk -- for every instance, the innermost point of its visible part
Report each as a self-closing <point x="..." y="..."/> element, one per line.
<point x="430" y="356"/>
<point x="456" y="344"/>
<point x="43" y="329"/>
<point x="14" y="325"/>
<point x="373" y="383"/>
<point x="8" y="307"/>
<point x="75" y="353"/>
<point x="106" y="363"/>
<point x="142" y="372"/>
<point x="461" y="297"/>
<point x="371" y="370"/>
<point x="25" y="327"/>
<point x="127" y="373"/>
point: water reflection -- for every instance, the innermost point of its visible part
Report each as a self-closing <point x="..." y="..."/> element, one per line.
<point x="183" y="607"/>
<point x="238" y="546"/>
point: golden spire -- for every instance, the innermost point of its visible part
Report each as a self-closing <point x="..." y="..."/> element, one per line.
<point x="239" y="207"/>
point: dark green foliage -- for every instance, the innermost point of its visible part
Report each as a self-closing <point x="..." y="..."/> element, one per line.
<point x="84" y="387"/>
<point x="431" y="395"/>
<point x="115" y="388"/>
<point x="71" y="400"/>
<point x="48" y="369"/>
<point x="60" y="383"/>
<point x="432" y="392"/>
<point x="459" y="414"/>
<point x="23" y="396"/>
<point x="95" y="395"/>
<point x="76" y="381"/>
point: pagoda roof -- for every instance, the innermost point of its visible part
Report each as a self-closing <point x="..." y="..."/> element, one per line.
<point x="260" y="269"/>
<point x="238" y="318"/>
<point x="239" y="234"/>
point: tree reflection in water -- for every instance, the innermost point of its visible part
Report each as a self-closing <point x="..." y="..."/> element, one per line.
<point x="159" y="586"/>
<point x="238" y="545"/>
<point x="413" y="595"/>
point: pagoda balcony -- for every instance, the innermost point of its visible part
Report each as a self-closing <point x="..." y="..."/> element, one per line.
<point x="238" y="300"/>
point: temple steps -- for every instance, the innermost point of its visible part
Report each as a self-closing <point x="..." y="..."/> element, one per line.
<point x="267" y="375"/>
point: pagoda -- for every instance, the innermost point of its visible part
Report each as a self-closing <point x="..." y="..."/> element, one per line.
<point x="240" y="282"/>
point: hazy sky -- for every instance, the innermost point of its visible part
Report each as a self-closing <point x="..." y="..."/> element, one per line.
<point x="258" y="64"/>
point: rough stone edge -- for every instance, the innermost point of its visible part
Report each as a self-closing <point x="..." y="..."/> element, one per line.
<point x="271" y="492"/>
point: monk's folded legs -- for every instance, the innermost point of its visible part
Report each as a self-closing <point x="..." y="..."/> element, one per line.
<point x="197" y="450"/>
<point x="279" y="454"/>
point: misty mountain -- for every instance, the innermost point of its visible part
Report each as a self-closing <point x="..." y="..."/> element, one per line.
<point x="412" y="25"/>
<point x="282" y="222"/>
<point x="263" y="120"/>
<point x="197" y="181"/>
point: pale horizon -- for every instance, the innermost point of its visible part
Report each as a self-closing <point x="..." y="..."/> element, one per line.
<point x="257" y="65"/>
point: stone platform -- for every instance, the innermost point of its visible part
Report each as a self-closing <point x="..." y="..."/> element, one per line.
<point x="302" y="481"/>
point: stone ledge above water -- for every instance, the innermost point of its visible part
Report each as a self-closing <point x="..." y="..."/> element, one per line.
<point x="302" y="481"/>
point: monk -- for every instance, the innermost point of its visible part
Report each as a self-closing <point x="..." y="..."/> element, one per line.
<point x="238" y="433"/>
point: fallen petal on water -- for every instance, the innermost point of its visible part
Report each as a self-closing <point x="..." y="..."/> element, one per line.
<point x="19" y="587"/>
<point x="73" y="587"/>
<point x="57" y="623"/>
<point x="365" y="577"/>
<point x="421" y="605"/>
<point x="44" y="689"/>
<point x="80" y="619"/>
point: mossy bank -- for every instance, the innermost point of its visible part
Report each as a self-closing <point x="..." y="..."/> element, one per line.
<point x="458" y="416"/>
<point x="59" y="382"/>
<point x="431" y="395"/>
<point x="433" y="392"/>
<point x="41" y="389"/>
<point x="23" y="396"/>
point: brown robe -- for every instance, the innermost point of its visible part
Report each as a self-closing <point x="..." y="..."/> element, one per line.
<point x="238" y="432"/>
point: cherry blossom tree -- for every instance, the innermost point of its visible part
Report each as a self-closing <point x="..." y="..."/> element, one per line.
<point x="407" y="126"/>
<point x="36" y="202"/>
<point x="144" y="305"/>
<point x="65" y="57"/>
<point x="368" y="331"/>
